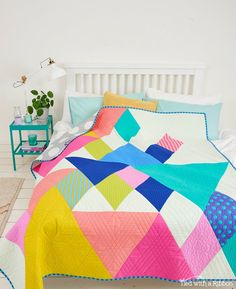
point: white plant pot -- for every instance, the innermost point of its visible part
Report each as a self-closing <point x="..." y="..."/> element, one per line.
<point x="44" y="116"/>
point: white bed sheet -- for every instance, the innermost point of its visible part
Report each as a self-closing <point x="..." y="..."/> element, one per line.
<point x="227" y="144"/>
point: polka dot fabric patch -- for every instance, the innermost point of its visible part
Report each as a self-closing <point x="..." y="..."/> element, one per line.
<point x="221" y="214"/>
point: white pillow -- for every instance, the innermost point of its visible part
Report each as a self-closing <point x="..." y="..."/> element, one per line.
<point x="158" y="94"/>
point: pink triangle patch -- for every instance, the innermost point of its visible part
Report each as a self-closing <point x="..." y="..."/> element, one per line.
<point x="114" y="235"/>
<point x="157" y="255"/>
<point x="17" y="233"/>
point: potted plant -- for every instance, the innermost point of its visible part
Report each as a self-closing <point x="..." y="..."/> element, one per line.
<point x="41" y="103"/>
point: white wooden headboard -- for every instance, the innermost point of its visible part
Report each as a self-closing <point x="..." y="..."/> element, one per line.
<point x="130" y="78"/>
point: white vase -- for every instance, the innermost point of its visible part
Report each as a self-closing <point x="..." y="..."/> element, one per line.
<point x="44" y="116"/>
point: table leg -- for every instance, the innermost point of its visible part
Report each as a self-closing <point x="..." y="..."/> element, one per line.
<point x="51" y="126"/>
<point x="47" y="137"/>
<point x="20" y="136"/>
<point x="12" y="150"/>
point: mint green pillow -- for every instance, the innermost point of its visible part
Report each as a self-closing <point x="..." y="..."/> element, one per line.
<point x="212" y="113"/>
<point x="137" y="95"/>
<point x="82" y="108"/>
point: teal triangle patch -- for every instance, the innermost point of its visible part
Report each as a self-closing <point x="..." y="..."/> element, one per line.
<point x="194" y="181"/>
<point x="230" y="252"/>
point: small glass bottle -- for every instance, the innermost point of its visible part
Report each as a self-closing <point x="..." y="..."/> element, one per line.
<point x="17" y="115"/>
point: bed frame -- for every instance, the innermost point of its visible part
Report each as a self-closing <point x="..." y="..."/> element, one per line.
<point x="129" y="78"/>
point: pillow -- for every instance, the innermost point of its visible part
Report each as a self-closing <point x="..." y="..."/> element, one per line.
<point x="66" y="117"/>
<point x="136" y="95"/>
<point x="158" y="94"/>
<point x="212" y="113"/>
<point x="83" y="106"/>
<point x="111" y="99"/>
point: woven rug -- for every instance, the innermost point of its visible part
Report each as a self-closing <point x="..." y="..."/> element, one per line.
<point x="9" y="190"/>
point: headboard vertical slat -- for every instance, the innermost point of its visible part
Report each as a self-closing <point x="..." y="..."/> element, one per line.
<point x="162" y="82"/>
<point x="81" y="83"/>
<point x="129" y="83"/>
<point x="146" y="81"/>
<point x="105" y="82"/>
<point x="170" y="83"/>
<point x="137" y="85"/>
<point x="186" y="84"/>
<point x="178" y="83"/>
<point x="89" y="83"/>
<point x="121" y="86"/>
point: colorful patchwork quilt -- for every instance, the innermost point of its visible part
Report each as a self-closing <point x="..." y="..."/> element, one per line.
<point x="140" y="195"/>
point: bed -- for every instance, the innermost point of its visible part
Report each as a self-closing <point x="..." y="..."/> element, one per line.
<point x="137" y="194"/>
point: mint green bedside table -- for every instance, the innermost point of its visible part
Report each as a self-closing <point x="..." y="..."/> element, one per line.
<point x="33" y="126"/>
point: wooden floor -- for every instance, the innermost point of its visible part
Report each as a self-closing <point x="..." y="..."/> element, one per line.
<point x="23" y="170"/>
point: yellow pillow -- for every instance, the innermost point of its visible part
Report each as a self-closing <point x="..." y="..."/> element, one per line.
<point x="112" y="99"/>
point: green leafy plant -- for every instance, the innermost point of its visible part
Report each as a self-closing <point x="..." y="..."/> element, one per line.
<point x="40" y="101"/>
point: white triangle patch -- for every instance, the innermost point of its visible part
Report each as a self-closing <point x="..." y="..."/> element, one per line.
<point x="82" y="153"/>
<point x="136" y="202"/>
<point x="218" y="268"/>
<point x="62" y="164"/>
<point x="93" y="201"/>
<point x="189" y="216"/>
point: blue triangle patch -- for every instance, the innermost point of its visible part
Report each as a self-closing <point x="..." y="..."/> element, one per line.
<point x="95" y="170"/>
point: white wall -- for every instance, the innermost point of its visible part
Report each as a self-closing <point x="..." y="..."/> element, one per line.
<point x="160" y="31"/>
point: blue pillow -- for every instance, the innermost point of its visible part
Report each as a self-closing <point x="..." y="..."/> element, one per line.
<point x="212" y="113"/>
<point x="81" y="108"/>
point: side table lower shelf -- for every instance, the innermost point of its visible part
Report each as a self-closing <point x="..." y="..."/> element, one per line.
<point x="19" y="151"/>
